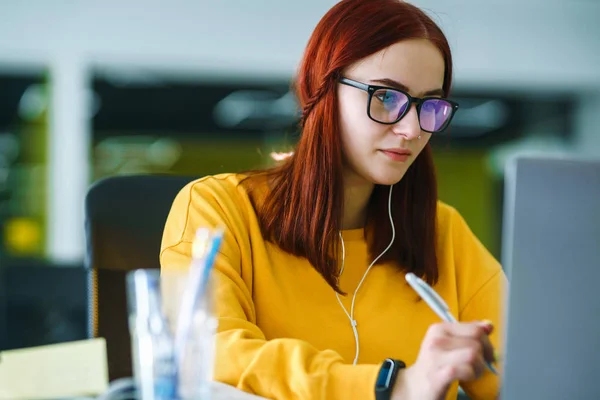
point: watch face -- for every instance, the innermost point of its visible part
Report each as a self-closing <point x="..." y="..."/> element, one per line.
<point x="385" y="375"/>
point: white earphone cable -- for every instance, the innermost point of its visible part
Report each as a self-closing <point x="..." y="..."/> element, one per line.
<point x="350" y="314"/>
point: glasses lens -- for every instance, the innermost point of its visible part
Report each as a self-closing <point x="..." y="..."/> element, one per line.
<point x="435" y="114"/>
<point x="387" y="105"/>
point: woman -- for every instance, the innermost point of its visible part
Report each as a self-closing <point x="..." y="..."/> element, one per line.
<point x="311" y="295"/>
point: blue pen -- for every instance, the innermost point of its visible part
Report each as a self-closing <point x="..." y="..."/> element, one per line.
<point x="205" y="248"/>
<point x="435" y="302"/>
<point x="217" y="238"/>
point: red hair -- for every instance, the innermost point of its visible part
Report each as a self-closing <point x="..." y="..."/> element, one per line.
<point x="303" y="211"/>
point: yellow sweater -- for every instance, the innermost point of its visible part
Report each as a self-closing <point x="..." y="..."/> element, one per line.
<point x="282" y="333"/>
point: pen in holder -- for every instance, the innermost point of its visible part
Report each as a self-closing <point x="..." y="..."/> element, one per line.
<point x="196" y="326"/>
<point x="154" y="366"/>
<point x="172" y="326"/>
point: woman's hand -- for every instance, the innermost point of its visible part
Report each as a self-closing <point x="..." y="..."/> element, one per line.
<point x="449" y="352"/>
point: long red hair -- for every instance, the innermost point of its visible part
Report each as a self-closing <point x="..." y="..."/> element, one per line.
<point x="302" y="212"/>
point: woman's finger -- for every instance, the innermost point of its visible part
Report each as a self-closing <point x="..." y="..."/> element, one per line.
<point x="463" y="373"/>
<point x="478" y="331"/>
<point x="469" y="330"/>
<point x="464" y="363"/>
<point x="487" y="349"/>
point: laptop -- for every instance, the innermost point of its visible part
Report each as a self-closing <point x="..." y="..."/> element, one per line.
<point x="551" y="253"/>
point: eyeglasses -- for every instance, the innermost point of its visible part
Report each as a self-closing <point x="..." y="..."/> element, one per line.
<point x="388" y="105"/>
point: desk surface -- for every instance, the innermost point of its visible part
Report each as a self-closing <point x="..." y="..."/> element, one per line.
<point x="221" y="391"/>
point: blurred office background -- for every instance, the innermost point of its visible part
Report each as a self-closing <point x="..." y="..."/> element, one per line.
<point x="91" y="89"/>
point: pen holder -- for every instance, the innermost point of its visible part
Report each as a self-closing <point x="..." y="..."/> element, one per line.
<point x="161" y="371"/>
<point x="197" y="350"/>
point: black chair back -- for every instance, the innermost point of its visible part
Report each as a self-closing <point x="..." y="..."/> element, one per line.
<point x="125" y="218"/>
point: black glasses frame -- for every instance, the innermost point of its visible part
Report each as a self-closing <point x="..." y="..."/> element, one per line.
<point x="371" y="89"/>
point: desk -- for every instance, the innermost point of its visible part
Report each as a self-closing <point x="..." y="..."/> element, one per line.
<point x="221" y="391"/>
<point x="122" y="388"/>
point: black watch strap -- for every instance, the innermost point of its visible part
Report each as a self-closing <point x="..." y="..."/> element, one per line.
<point x="386" y="378"/>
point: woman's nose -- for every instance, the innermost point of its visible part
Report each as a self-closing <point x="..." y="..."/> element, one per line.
<point x="409" y="125"/>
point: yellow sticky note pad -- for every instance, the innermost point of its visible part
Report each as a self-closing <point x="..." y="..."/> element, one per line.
<point x="55" y="371"/>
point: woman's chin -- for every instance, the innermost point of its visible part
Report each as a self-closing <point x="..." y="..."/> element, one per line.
<point x="387" y="179"/>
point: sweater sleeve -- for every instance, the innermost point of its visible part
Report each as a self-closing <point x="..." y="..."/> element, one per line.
<point x="282" y="368"/>
<point x="482" y="286"/>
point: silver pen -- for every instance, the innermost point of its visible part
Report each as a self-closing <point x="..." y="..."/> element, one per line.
<point x="436" y="303"/>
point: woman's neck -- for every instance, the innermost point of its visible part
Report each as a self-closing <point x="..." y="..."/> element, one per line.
<point x="357" y="192"/>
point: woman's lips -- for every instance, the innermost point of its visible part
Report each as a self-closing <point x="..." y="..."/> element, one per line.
<point x="400" y="155"/>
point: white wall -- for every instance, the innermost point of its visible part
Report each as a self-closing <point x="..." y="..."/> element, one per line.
<point x="531" y="43"/>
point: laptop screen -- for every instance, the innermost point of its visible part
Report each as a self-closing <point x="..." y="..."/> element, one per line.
<point x="551" y="251"/>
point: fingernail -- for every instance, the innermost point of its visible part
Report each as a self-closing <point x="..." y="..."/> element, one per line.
<point x="488" y="326"/>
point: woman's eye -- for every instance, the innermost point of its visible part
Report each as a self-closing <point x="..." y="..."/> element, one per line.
<point x="386" y="97"/>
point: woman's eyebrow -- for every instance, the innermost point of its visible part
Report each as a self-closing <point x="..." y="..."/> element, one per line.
<point x="395" y="84"/>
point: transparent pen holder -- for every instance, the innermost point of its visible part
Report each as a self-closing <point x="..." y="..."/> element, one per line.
<point x="166" y="368"/>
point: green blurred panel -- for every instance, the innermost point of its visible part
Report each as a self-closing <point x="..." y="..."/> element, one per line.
<point x="219" y="156"/>
<point x="466" y="183"/>
<point x="152" y="154"/>
<point x="24" y="227"/>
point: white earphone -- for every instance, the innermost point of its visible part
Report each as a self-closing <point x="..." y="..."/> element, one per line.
<point x="350" y="314"/>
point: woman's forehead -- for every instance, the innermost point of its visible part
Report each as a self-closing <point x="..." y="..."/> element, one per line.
<point x="416" y="63"/>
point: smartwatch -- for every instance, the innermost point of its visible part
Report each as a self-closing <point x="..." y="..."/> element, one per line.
<point x="386" y="378"/>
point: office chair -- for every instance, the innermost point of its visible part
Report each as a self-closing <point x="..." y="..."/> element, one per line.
<point x="125" y="218"/>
